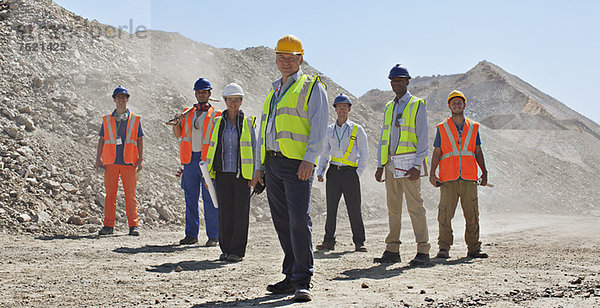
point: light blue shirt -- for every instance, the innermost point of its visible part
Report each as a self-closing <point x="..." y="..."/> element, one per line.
<point x="230" y="146"/>
<point x="421" y="131"/>
<point x="336" y="144"/>
<point x="318" y="116"/>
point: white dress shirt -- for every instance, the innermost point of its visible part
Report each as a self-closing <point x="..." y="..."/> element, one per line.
<point x="336" y="144"/>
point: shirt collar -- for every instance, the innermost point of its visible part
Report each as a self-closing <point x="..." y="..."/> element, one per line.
<point x="404" y="99"/>
<point x="114" y="113"/>
<point x="277" y="83"/>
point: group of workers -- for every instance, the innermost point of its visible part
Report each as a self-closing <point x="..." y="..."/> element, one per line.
<point x="293" y="138"/>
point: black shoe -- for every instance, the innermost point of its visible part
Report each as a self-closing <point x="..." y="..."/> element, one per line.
<point x="477" y="254"/>
<point x="212" y="242"/>
<point x="360" y="248"/>
<point x="188" y="240"/>
<point x="234" y="258"/>
<point x="388" y="257"/>
<point x="223" y="257"/>
<point x="420" y="259"/>
<point x="443" y="254"/>
<point x="302" y="295"/>
<point x="135" y="231"/>
<point x="326" y="246"/>
<point x="106" y="230"/>
<point x="283" y="287"/>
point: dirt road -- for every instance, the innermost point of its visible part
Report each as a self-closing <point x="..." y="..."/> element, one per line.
<point x="540" y="261"/>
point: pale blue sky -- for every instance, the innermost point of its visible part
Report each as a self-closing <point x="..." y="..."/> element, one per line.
<point x="553" y="45"/>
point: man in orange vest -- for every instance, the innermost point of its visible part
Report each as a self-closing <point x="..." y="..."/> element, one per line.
<point x="194" y="128"/>
<point x="120" y="152"/>
<point x="457" y="150"/>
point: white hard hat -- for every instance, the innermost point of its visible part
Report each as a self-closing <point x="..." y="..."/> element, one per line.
<point x="233" y="89"/>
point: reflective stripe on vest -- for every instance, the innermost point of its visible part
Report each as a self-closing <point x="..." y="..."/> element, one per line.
<point x="109" y="150"/>
<point x="185" y="145"/>
<point x="246" y="151"/>
<point x="344" y="160"/>
<point x="407" y="142"/>
<point x="291" y="118"/>
<point x="458" y="155"/>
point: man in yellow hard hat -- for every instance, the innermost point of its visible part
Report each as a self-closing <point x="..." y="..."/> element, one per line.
<point x="401" y="152"/>
<point x="293" y="125"/>
<point x="457" y="150"/>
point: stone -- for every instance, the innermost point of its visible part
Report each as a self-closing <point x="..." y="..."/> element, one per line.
<point x="164" y="213"/>
<point x="25" y="109"/>
<point x="99" y="199"/>
<point x="43" y="218"/>
<point x="75" y="220"/>
<point x="94" y="220"/>
<point x="23" y="218"/>
<point x="13" y="132"/>
<point x="23" y="120"/>
<point x="68" y="187"/>
<point x="178" y="269"/>
<point x="8" y="113"/>
<point x="25" y="151"/>
<point x="52" y="184"/>
<point x="37" y="82"/>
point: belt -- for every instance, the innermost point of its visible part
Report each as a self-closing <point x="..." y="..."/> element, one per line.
<point x="340" y="167"/>
<point x="275" y="154"/>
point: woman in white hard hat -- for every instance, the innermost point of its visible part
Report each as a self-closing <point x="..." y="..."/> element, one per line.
<point x="230" y="160"/>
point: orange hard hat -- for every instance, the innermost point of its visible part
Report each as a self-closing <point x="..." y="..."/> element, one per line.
<point x="454" y="94"/>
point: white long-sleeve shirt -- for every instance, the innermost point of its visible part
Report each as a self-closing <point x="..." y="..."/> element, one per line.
<point x="336" y="144"/>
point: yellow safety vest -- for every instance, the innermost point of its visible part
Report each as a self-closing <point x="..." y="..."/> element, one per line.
<point x="344" y="160"/>
<point x="291" y="119"/>
<point x="245" y="150"/>
<point x="407" y="143"/>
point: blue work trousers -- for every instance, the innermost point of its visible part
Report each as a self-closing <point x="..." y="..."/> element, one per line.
<point x="289" y="201"/>
<point x="192" y="182"/>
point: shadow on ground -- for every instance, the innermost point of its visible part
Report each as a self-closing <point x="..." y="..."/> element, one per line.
<point x="381" y="271"/>
<point x="70" y="237"/>
<point x="270" y="300"/>
<point x="186" y="266"/>
<point x="153" y="249"/>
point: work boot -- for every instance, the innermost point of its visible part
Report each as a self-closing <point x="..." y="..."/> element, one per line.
<point x="443" y="254"/>
<point x="302" y="294"/>
<point x="420" y="259"/>
<point x="388" y="257"/>
<point x="283" y="287"/>
<point x="223" y="257"/>
<point x="134" y="231"/>
<point x="188" y="240"/>
<point x="212" y="242"/>
<point x="326" y="246"/>
<point x="477" y="254"/>
<point x="106" y="230"/>
<point x="234" y="258"/>
<point x="360" y="248"/>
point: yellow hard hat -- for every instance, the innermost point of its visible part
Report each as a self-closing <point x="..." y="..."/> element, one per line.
<point x="454" y="94"/>
<point x="289" y="44"/>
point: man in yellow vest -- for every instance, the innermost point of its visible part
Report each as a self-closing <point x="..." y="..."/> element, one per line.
<point x="194" y="128"/>
<point x="120" y="153"/>
<point x="402" y="151"/>
<point x="346" y="143"/>
<point x="293" y="125"/>
<point x="457" y="150"/>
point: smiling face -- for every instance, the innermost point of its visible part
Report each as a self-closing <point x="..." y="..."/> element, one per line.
<point x="288" y="64"/>
<point x="121" y="101"/>
<point x="457" y="105"/>
<point x="342" y="110"/>
<point x="202" y="96"/>
<point x="233" y="103"/>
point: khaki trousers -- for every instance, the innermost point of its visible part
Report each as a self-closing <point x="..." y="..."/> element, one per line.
<point x="450" y="191"/>
<point x="395" y="189"/>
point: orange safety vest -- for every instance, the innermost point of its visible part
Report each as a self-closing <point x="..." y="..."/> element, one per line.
<point x="458" y="156"/>
<point x="109" y="150"/>
<point x="185" y="145"/>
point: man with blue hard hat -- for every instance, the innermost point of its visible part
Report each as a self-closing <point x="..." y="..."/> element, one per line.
<point x="346" y="144"/>
<point x="120" y="153"/>
<point x="402" y="152"/>
<point x="194" y="128"/>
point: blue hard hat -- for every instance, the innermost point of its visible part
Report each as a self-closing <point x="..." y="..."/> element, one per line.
<point x="341" y="99"/>
<point x="120" y="90"/>
<point x="202" y="84"/>
<point x="399" y="70"/>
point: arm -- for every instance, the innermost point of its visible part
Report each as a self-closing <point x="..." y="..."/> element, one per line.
<point x="324" y="159"/>
<point x="259" y="168"/>
<point x="422" y="142"/>
<point x="481" y="163"/>
<point x="98" y="163"/>
<point x="363" y="150"/>
<point x="140" y="145"/>
<point x="177" y="126"/>
<point x="435" y="161"/>
<point x="318" y="116"/>
<point x="379" y="172"/>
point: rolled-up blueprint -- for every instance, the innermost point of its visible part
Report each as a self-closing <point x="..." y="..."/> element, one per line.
<point x="209" y="184"/>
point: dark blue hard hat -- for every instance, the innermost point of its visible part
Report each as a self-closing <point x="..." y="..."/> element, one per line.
<point x="120" y="90"/>
<point x="341" y="99"/>
<point x="399" y="70"/>
<point x="202" y="84"/>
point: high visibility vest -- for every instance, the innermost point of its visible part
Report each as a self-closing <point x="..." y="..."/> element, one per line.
<point x="109" y="150"/>
<point x="458" y="156"/>
<point x="185" y="145"/>
<point x="344" y="159"/>
<point x="245" y="148"/>
<point x="407" y="142"/>
<point x="291" y="118"/>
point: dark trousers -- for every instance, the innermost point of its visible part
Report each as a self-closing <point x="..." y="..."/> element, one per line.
<point x="234" y="211"/>
<point x="344" y="181"/>
<point x="289" y="201"/>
